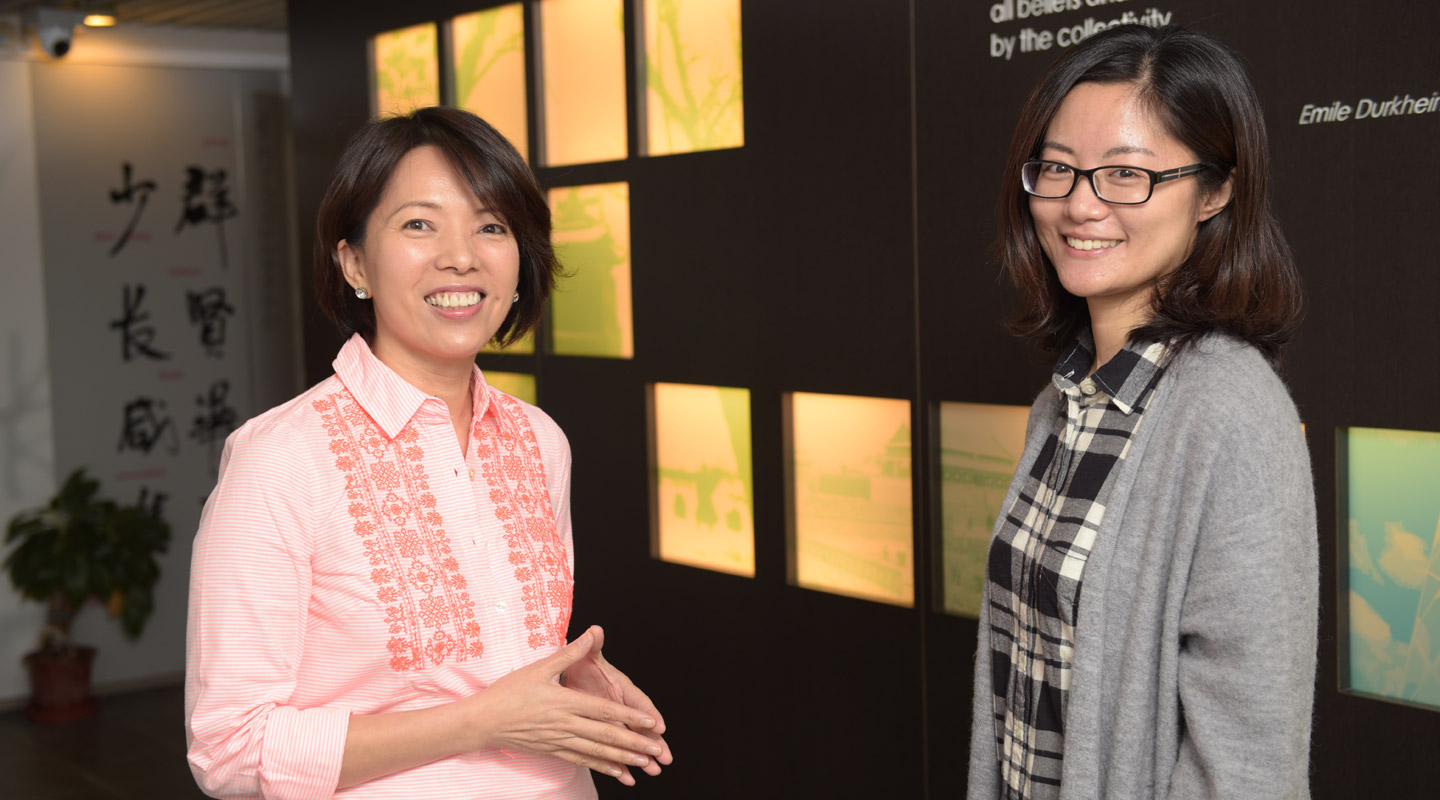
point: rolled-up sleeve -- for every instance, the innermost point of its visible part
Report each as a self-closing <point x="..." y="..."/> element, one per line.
<point x="250" y="589"/>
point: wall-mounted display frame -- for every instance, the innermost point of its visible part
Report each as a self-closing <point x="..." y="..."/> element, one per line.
<point x="849" y="496"/>
<point x="516" y="384"/>
<point x="702" y="491"/>
<point x="694" y="96"/>
<point x="1389" y="523"/>
<point x="404" y="70"/>
<point x="582" y="68"/>
<point x="590" y="312"/>
<point x="486" y="67"/>
<point x="980" y="446"/>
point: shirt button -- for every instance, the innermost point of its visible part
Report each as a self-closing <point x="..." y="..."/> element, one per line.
<point x="472" y="473"/>
<point x="501" y="606"/>
<point x="1087" y="386"/>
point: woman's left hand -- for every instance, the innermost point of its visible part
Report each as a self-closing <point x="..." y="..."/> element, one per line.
<point x="595" y="676"/>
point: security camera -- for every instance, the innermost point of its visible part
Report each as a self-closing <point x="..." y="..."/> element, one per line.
<point x="55" y="29"/>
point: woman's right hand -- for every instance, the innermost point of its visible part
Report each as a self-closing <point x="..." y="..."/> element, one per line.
<point x="529" y="711"/>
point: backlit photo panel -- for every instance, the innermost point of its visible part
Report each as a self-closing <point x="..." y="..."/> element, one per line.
<point x="487" y="68"/>
<point x="980" y="446"/>
<point x="694" y="87"/>
<point x="850" y="494"/>
<point x="590" y="308"/>
<point x="1391" y="520"/>
<point x="404" y="70"/>
<point x="703" y="490"/>
<point x="516" y="384"/>
<point x="582" y="56"/>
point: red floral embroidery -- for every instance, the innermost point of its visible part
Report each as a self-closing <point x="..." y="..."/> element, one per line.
<point x="515" y="473"/>
<point x="428" y="612"/>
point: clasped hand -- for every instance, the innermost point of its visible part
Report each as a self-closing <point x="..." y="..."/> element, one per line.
<point x="575" y="706"/>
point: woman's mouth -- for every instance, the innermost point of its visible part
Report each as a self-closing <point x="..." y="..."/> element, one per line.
<point x="454" y="299"/>
<point x="1090" y="244"/>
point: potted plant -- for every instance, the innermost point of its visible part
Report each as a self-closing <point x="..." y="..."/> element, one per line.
<point x="77" y="549"/>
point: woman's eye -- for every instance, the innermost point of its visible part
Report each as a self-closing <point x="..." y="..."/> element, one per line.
<point x="1057" y="169"/>
<point x="494" y="227"/>
<point x="415" y="225"/>
<point x="1124" y="173"/>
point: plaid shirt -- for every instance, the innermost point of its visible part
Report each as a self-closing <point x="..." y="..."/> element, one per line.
<point x="1038" y="557"/>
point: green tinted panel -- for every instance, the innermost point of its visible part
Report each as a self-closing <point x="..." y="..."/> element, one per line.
<point x="979" y="448"/>
<point x="515" y="384"/>
<point x="590" y="309"/>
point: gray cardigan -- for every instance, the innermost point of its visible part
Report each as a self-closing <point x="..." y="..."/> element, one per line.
<point x="1195" y="647"/>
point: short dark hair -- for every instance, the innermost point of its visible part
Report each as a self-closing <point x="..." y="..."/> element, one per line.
<point x="489" y="165"/>
<point x="1240" y="277"/>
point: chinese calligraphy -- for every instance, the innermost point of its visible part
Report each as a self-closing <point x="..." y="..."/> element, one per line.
<point x="215" y="208"/>
<point x="152" y="503"/>
<point x="216" y="418"/>
<point x="135" y="337"/>
<point x="136" y="193"/>
<point x="145" y="425"/>
<point x="210" y="312"/>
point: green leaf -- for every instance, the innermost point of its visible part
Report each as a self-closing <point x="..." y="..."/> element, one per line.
<point x="80" y="547"/>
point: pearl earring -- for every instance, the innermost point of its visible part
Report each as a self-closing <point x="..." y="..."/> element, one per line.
<point x="361" y="293"/>
<point x="516" y="298"/>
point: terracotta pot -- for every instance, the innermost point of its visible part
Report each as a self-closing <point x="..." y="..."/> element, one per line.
<point x="60" y="685"/>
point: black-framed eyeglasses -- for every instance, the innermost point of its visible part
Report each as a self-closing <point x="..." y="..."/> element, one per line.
<point x="1122" y="185"/>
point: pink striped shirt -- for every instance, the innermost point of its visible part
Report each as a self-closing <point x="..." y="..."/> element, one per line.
<point x="351" y="561"/>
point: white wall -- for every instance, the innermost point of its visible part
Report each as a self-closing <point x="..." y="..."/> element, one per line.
<point x="28" y="442"/>
<point x="26" y="438"/>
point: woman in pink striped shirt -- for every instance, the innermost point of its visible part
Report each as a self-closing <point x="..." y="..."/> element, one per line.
<point x="382" y="577"/>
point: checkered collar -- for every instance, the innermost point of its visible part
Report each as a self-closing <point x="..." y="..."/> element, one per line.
<point x="1124" y="378"/>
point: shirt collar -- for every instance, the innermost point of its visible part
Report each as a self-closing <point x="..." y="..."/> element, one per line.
<point x="1124" y="378"/>
<point x="389" y="399"/>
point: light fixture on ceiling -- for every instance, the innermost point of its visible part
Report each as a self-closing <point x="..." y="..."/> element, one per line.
<point x="98" y="15"/>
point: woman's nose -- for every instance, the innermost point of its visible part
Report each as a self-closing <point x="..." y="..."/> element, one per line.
<point x="459" y="253"/>
<point x="1084" y="203"/>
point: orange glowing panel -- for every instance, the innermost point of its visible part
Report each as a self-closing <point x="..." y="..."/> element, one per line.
<point x="694" y="97"/>
<point x="582" y="55"/>
<point x="515" y="384"/>
<point x="703" y="494"/>
<point x="404" y="70"/>
<point x="487" y="69"/>
<point x="850" y="507"/>
<point x="590" y="308"/>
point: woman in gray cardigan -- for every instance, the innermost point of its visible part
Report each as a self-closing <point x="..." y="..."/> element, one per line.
<point x="1149" y="624"/>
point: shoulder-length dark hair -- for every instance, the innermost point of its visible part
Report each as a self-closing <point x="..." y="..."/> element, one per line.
<point x="488" y="164"/>
<point x="1240" y="278"/>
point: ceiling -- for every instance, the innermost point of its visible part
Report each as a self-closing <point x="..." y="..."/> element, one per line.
<point x="255" y="15"/>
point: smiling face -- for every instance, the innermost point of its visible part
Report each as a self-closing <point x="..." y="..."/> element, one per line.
<point x="440" y="267"/>
<point x="1111" y="255"/>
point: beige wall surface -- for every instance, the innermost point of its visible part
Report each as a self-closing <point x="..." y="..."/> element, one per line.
<point x="162" y="101"/>
<point x="26" y="441"/>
